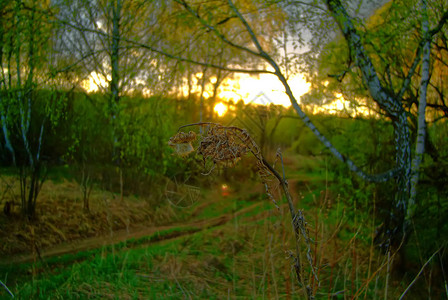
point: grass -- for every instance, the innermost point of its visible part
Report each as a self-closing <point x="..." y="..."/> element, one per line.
<point x="170" y="269"/>
<point x="245" y="257"/>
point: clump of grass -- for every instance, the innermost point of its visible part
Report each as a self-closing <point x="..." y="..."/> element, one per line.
<point x="226" y="145"/>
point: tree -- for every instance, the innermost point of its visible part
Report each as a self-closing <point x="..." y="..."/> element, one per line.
<point x="382" y="65"/>
<point x="389" y="102"/>
<point x="95" y="31"/>
<point x="27" y="111"/>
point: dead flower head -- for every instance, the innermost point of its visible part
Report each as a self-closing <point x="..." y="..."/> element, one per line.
<point x="181" y="143"/>
<point x="222" y="145"/>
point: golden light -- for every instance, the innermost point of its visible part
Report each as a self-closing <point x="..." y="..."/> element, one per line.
<point x="220" y="109"/>
<point x="249" y="89"/>
<point x="225" y="190"/>
<point x="339" y="105"/>
<point x="95" y="81"/>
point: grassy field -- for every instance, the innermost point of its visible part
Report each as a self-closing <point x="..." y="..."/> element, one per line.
<point x="232" y="245"/>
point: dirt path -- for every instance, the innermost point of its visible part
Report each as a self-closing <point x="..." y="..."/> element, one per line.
<point x="124" y="235"/>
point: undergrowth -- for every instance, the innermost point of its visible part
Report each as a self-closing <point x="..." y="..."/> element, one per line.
<point x="244" y="258"/>
<point x="250" y="255"/>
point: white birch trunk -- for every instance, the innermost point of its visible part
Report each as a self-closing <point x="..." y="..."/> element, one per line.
<point x="351" y="165"/>
<point x="421" y="130"/>
<point x="395" y="225"/>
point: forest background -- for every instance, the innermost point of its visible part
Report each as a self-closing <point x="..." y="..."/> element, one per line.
<point x="92" y="91"/>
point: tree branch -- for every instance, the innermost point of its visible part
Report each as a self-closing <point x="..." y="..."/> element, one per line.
<point x="376" y="89"/>
<point x="169" y="55"/>
<point x="440" y="25"/>
<point x="213" y="29"/>
<point x="180" y="58"/>
<point x="351" y="165"/>
<point x="411" y="72"/>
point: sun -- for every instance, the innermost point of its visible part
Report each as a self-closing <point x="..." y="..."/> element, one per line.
<point x="95" y="82"/>
<point x="220" y="109"/>
<point x="263" y="89"/>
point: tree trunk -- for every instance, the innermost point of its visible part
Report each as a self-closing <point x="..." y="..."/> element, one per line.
<point x="114" y="86"/>
<point x="421" y="129"/>
<point x="394" y="229"/>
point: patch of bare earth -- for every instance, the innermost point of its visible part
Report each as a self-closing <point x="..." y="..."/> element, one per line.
<point x="60" y="218"/>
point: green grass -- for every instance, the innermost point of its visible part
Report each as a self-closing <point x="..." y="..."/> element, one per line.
<point x="209" y="264"/>
<point x="122" y="272"/>
<point x="245" y="258"/>
<point x="19" y="272"/>
<point x="230" y="205"/>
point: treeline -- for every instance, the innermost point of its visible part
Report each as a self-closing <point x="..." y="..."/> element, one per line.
<point x="80" y="137"/>
<point x="83" y="140"/>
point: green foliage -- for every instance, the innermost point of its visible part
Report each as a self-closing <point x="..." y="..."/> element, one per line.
<point x="307" y="144"/>
<point x="146" y="125"/>
<point x="286" y="130"/>
<point x="368" y="142"/>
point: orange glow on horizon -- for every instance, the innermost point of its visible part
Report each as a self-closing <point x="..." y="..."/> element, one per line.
<point x="220" y="109"/>
<point x="95" y="82"/>
<point x="264" y="89"/>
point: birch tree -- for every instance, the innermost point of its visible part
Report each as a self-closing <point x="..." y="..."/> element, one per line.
<point x="387" y="63"/>
<point x="96" y="33"/>
<point x="25" y="56"/>
<point x="389" y="102"/>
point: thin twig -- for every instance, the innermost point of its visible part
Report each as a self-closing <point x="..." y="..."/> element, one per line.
<point x="6" y="288"/>
<point x="418" y="275"/>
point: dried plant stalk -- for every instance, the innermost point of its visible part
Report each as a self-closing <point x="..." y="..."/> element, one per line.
<point x="226" y="145"/>
<point x="181" y="143"/>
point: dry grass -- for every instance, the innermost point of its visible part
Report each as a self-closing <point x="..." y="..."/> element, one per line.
<point x="226" y="145"/>
<point x="246" y="258"/>
<point x="60" y="217"/>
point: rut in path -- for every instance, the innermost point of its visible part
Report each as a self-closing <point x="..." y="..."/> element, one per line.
<point x="124" y="235"/>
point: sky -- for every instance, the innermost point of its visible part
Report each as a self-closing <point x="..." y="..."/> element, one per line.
<point x="261" y="89"/>
<point x="266" y="88"/>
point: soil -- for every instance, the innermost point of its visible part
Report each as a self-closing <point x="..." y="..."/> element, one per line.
<point x="61" y="219"/>
<point x="62" y="226"/>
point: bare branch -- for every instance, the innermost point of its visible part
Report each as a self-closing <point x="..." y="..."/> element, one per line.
<point x="180" y="58"/>
<point x="411" y="72"/>
<point x="249" y="29"/>
<point x="214" y="30"/>
<point x="383" y="177"/>
<point x="170" y="55"/>
<point x="439" y="26"/>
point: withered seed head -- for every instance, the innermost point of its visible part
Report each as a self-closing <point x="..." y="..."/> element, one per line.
<point x="222" y="145"/>
<point x="183" y="137"/>
<point x="181" y="143"/>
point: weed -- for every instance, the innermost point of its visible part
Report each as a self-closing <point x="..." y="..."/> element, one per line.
<point x="226" y="146"/>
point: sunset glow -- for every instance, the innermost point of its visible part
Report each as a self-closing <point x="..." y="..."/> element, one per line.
<point x="264" y="89"/>
<point x="340" y="104"/>
<point x="220" y="109"/>
<point x="95" y="82"/>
